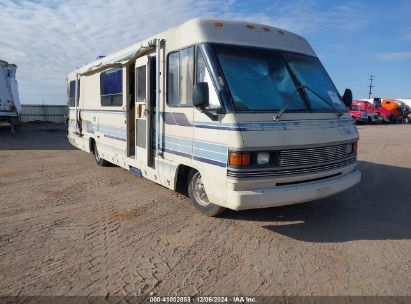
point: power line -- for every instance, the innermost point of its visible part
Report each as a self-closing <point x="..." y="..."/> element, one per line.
<point x="370" y="86"/>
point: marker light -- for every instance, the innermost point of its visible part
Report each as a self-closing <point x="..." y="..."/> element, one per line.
<point x="355" y="147"/>
<point x="218" y="24"/>
<point x="263" y="158"/>
<point x="240" y="158"/>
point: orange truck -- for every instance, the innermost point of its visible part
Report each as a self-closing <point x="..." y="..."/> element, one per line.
<point x="399" y="111"/>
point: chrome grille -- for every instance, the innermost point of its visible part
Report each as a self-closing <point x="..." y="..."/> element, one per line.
<point x="309" y="156"/>
<point x="279" y="172"/>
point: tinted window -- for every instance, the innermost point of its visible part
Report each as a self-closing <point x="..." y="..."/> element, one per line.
<point x="180" y="77"/>
<point x="111" y="87"/>
<point x="141" y="83"/>
<point x="72" y="93"/>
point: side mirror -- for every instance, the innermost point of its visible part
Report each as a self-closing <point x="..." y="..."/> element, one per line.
<point x="347" y="97"/>
<point x="200" y="95"/>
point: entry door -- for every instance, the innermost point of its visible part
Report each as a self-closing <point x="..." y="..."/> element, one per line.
<point x="143" y="110"/>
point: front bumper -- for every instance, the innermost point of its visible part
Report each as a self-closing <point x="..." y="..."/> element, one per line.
<point x="291" y="194"/>
<point x="361" y="119"/>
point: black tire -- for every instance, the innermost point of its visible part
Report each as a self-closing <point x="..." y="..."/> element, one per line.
<point x="200" y="201"/>
<point x="99" y="160"/>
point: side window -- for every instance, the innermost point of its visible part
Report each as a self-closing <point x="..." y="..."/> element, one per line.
<point x="72" y="93"/>
<point x="180" y="77"/>
<point x="141" y="83"/>
<point x="203" y="75"/>
<point x="111" y="88"/>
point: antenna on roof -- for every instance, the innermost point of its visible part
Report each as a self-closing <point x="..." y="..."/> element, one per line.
<point x="370" y="86"/>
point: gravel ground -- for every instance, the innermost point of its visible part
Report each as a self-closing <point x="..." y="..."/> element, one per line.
<point x="69" y="227"/>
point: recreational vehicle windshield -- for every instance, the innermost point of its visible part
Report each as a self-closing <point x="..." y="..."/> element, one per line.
<point x="238" y="115"/>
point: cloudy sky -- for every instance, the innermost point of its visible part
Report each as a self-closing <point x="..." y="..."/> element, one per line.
<point x="49" y="38"/>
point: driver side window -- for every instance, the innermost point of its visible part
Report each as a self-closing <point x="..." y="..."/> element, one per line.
<point x="203" y="75"/>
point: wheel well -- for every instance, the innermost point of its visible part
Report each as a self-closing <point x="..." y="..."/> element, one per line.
<point x="91" y="145"/>
<point x="182" y="179"/>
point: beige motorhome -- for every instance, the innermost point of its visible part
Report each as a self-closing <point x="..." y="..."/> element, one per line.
<point x="239" y="115"/>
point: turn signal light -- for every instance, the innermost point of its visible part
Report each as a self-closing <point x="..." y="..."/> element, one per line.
<point x="355" y="147"/>
<point x="240" y="158"/>
<point x="218" y="24"/>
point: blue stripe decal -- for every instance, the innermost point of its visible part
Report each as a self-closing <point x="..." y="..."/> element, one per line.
<point x="178" y="148"/>
<point x="179" y="140"/>
<point x="180" y="119"/>
<point x="211" y="162"/>
<point x="204" y="160"/>
<point x="211" y="153"/>
<point x="98" y="111"/>
<point x="210" y="146"/>
<point x="114" y="137"/>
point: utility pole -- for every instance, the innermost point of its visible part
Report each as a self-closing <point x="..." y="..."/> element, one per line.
<point x="370" y="86"/>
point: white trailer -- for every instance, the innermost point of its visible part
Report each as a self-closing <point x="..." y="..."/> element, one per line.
<point x="239" y="115"/>
<point x="10" y="107"/>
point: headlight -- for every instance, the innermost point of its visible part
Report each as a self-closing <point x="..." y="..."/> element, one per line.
<point x="263" y="158"/>
<point x="349" y="148"/>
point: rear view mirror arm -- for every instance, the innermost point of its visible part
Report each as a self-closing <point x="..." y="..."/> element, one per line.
<point x="212" y="116"/>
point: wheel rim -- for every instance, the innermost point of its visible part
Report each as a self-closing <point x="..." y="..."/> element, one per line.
<point x="199" y="191"/>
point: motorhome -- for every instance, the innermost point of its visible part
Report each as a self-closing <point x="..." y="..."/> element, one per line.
<point x="10" y="107"/>
<point x="238" y="115"/>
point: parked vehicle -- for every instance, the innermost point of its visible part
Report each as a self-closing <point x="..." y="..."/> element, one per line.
<point x="373" y="115"/>
<point x="398" y="111"/>
<point x="10" y="107"/>
<point x="358" y="114"/>
<point x="239" y="115"/>
<point x="384" y="113"/>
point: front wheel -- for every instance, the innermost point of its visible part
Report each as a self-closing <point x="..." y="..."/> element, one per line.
<point x="99" y="160"/>
<point x="198" y="196"/>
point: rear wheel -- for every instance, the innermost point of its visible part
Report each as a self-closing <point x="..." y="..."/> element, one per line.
<point x="198" y="196"/>
<point x="99" y="160"/>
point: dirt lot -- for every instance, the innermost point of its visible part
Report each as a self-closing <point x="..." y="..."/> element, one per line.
<point x="69" y="227"/>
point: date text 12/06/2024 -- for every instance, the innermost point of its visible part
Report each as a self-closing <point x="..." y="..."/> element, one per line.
<point x="201" y="299"/>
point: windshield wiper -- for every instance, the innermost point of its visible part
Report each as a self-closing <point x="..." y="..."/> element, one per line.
<point x="303" y="88"/>
<point x="339" y="113"/>
<point x="289" y="100"/>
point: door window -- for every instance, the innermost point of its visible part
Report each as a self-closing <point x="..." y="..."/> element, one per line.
<point x="141" y="83"/>
<point x="180" y="78"/>
<point x="72" y="93"/>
